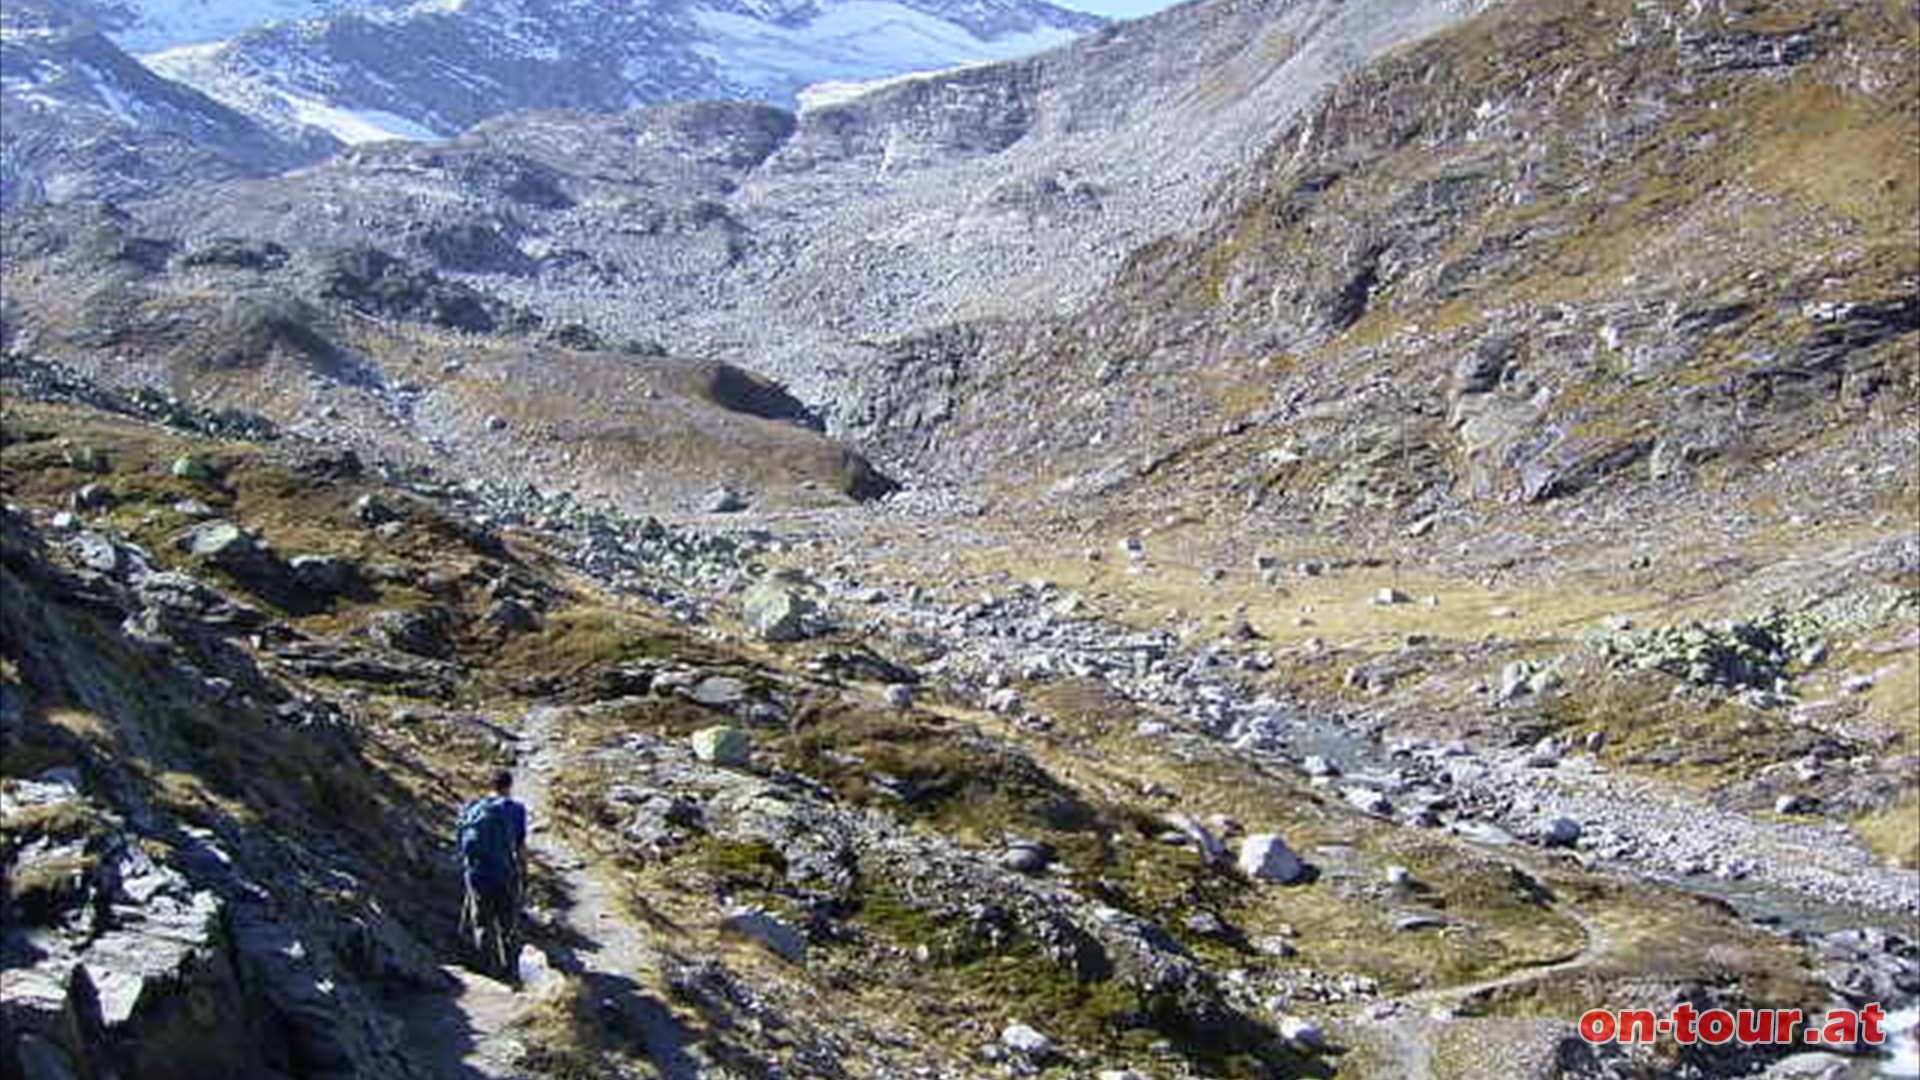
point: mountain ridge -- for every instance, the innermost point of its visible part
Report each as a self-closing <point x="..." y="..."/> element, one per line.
<point x="442" y="68"/>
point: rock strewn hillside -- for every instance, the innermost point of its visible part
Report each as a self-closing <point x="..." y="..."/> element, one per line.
<point x="1549" y="247"/>
<point x="800" y="247"/>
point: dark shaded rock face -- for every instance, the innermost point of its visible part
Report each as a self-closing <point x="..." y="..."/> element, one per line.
<point x="378" y="283"/>
<point x="136" y="942"/>
<point x="731" y="388"/>
<point x="472" y="248"/>
<point x="235" y="253"/>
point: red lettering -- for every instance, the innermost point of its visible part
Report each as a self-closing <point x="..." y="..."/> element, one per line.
<point x="1716" y="1026"/>
<point x="1637" y="1025"/>
<point x="1784" y="1022"/>
<point x="1597" y="1026"/>
<point x="1870" y="1017"/>
<point x="1756" y="1025"/>
<point x="1842" y="1027"/>
<point x="1683" y="1017"/>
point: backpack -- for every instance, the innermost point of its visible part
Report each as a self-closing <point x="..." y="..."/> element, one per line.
<point x="486" y="840"/>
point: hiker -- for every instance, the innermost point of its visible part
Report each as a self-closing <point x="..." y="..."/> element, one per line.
<point x="493" y="854"/>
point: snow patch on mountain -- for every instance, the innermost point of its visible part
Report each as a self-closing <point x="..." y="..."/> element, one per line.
<point x="856" y="41"/>
<point x="355" y="126"/>
<point x="822" y="95"/>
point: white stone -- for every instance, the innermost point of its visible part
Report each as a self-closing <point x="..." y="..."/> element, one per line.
<point x="1266" y="857"/>
<point x="1024" y="1040"/>
<point x="722" y="745"/>
<point x="1300" y="1031"/>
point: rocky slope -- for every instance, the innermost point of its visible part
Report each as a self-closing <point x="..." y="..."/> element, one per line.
<point x="391" y="359"/>
<point x="245" y="682"/>
<point x="85" y="121"/>
<point x="805" y="247"/>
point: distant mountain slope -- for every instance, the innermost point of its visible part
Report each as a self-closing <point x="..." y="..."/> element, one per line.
<point x="83" y="120"/>
<point x="141" y="26"/>
<point x="441" y="66"/>
<point x="801" y="246"/>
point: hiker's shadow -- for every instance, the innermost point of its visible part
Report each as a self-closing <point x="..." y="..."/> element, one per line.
<point x="625" y="1009"/>
<point x="440" y="1034"/>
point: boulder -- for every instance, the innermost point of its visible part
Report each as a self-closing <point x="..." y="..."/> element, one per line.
<point x="508" y="616"/>
<point x="1367" y="800"/>
<point x="718" y="692"/>
<point x="94" y="497"/>
<point x="421" y="633"/>
<point x="86" y="459"/>
<point x="768" y="929"/>
<point x="1795" y="803"/>
<point x="1206" y="924"/>
<point x="1027" y="1042"/>
<point x="1300" y="1031"/>
<point x="1026" y="857"/>
<point x="1266" y="857"/>
<point x="236" y="551"/>
<point x="777" y="612"/>
<point x="371" y="509"/>
<point x="722" y="745"/>
<point x="724" y="500"/>
<point x="193" y="468"/>
<point x="1560" y="832"/>
<point x="323" y="575"/>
